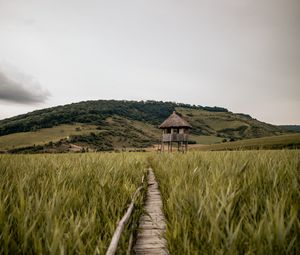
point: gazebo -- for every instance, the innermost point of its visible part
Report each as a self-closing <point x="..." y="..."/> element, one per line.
<point x="175" y="129"/>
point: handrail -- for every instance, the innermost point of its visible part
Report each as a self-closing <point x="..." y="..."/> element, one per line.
<point x="117" y="234"/>
<point x="175" y="137"/>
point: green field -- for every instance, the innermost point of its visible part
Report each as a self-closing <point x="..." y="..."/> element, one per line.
<point x="205" y="139"/>
<point x="290" y="141"/>
<point x="65" y="204"/>
<point x="231" y="202"/>
<point x="44" y="135"/>
<point x="241" y="202"/>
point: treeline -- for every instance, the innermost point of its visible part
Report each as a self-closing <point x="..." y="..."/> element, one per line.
<point x="95" y="112"/>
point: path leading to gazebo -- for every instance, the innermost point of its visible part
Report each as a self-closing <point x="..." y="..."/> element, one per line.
<point x="152" y="225"/>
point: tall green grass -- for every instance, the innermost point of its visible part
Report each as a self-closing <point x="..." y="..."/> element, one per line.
<point x="231" y="202"/>
<point x="65" y="204"/>
<point x="215" y="202"/>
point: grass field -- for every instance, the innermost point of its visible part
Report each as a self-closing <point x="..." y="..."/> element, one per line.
<point x="241" y="202"/>
<point x="205" y="139"/>
<point x="65" y="204"/>
<point x="43" y="136"/>
<point x="270" y="142"/>
<point x="231" y="202"/>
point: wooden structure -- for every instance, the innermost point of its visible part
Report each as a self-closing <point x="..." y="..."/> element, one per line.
<point x="152" y="224"/>
<point x="175" y="129"/>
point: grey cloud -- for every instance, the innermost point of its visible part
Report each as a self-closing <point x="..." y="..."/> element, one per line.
<point x="24" y="91"/>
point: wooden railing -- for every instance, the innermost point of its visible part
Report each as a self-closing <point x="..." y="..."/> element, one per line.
<point x="122" y="223"/>
<point x="175" y="137"/>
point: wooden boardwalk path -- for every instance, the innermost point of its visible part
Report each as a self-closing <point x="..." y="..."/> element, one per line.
<point x="152" y="225"/>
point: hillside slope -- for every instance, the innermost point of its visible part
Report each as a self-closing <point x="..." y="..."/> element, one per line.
<point x="109" y="124"/>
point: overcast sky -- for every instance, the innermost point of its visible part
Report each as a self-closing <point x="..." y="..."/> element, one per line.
<point x="240" y="54"/>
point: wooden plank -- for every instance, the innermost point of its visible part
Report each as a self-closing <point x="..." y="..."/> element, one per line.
<point x="152" y="224"/>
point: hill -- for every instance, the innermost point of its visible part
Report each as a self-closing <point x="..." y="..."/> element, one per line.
<point x="111" y="124"/>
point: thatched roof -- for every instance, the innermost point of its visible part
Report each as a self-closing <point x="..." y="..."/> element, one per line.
<point x="175" y="121"/>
